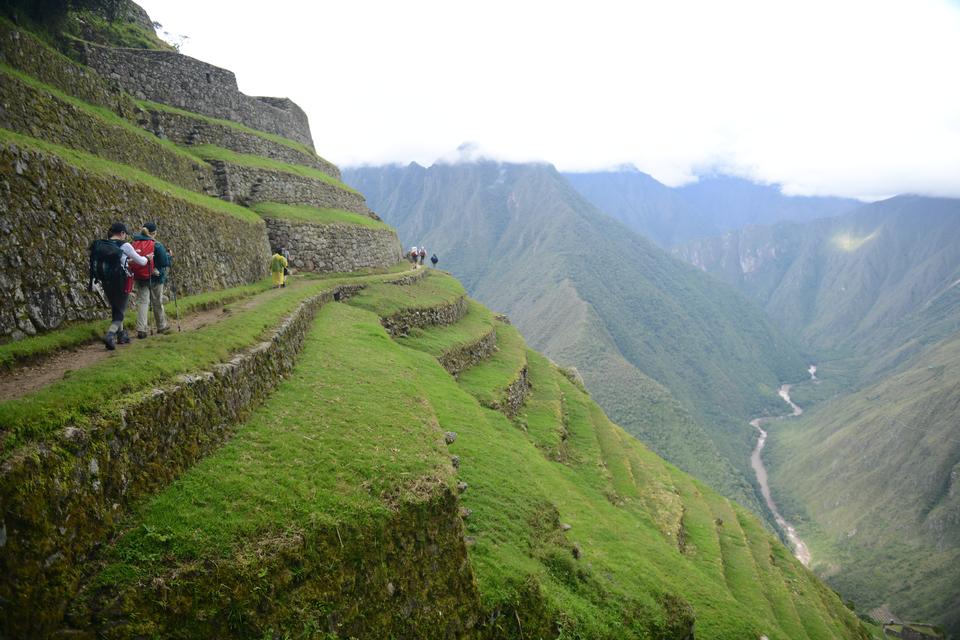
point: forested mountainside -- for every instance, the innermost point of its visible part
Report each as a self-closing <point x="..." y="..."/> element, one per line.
<point x="677" y="358"/>
<point x="365" y="452"/>
<point x="671" y="216"/>
<point x="870" y="473"/>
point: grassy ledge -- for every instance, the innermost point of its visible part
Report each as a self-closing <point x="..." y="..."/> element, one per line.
<point x="315" y="215"/>
<point x="213" y="152"/>
<point x="272" y="137"/>
<point x="435" y="289"/>
<point x="437" y="340"/>
<point x="488" y="381"/>
<point x="100" y="166"/>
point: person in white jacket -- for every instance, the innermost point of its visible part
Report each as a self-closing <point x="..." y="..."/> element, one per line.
<point x="118" y="291"/>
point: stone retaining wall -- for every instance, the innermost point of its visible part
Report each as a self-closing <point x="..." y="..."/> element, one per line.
<point x="22" y="51"/>
<point x="410" y="570"/>
<point x="42" y="115"/>
<point x="184" y="82"/>
<point x="334" y="247"/>
<point x="248" y="185"/>
<point x="185" y="130"/>
<point x="63" y="497"/>
<point x="50" y="211"/>
<point x="400" y="323"/>
<point x="464" y="356"/>
<point x="516" y="394"/>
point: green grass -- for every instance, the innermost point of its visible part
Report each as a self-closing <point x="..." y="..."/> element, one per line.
<point x="101" y="113"/>
<point x="362" y="416"/>
<point x="440" y="339"/>
<point x="287" y="142"/>
<point x="80" y="333"/>
<point x="117" y="33"/>
<point x="488" y="380"/>
<point x="100" y="388"/>
<point x="315" y="215"/>
<point x="434" y="289"/>
<point x="103" y="167"/>
<point x="213" y="152"/>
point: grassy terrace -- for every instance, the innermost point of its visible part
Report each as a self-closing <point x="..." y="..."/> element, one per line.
<point x="436" y="288"/>
<point x="315" y="215"/>
<point x="79" y="333"/>
<point x="489" y="380"/>
<point x="361" y="418"/>
<point x="438" y="340"/>
<point x="83" y="395"/>
<point x="292" y="144"/>
<point x="107" y="117"/>
<point x="100" y="166"/>
<point x="212" y="152"/>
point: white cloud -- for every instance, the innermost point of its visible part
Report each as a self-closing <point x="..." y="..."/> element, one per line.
<point x="853" y="97"/>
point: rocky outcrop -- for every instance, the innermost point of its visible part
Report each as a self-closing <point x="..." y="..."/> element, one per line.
<point x="400" y="323"/>
<point x="463" y="356"/>
<point x="41" y="114"/>
<point x="184" y="82"/>
<point x="51" y="210"/>
<point x="248" y="185"/>
<point x="192" y="130"/>
<point x="335" y="247"/>
<point x="64" y="496"/>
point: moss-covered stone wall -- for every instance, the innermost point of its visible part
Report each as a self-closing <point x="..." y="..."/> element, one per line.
<point x="334" y="247"/>
<point x="41" y="114"/>
<point x="186" y="130"/>
<point x="464" y="356"/>
<point x="50" y="212"/>
<point x="64" y="496"/>
<point x="247" y="185"/>
<point x="400" y="323"/>
<point x="406" y="575"/>
<point x="184" y="82"/>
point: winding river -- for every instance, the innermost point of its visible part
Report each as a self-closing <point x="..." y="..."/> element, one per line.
<point x="800" y="549"/>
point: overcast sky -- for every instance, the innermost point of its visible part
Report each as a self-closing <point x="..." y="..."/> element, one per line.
<point x="849" y="97"/>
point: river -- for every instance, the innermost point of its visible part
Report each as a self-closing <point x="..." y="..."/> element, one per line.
<point x="800" y="549"/>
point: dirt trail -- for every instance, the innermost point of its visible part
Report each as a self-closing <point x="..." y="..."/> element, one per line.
<point x="800" y="549"/>
<point x="25" y="380"/>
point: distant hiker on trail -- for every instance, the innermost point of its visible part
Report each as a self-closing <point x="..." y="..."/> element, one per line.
<point x="108" y="265"/>
<point x="434" y="259"/>
<point x="423" y="254"/>
<point x="286" y="255"/>
<point x="414" y="253"/>
<point x="149" y="279"/>
<point x="278" y="265"/>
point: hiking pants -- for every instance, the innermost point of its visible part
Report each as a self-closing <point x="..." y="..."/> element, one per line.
<point x="118" y="304"/>
<point x="149" y="294"/>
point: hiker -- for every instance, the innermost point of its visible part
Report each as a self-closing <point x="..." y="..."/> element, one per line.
<point x="434" y="259"/>
<point x="414" y="252"/>
<point x="286" y="255"/>
<point x="423" y="254"/>
<point x="149" y="279"/>
<point x="278" y="266"/>
<point x="109" y="261"/>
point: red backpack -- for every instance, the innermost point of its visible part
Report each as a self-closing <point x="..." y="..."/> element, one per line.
<point x="143" y="247"/>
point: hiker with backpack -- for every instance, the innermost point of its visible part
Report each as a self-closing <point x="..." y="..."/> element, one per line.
<point x="150" y="278"/>
<point x="422" y="254"/>
<point x="278" y="268"/>
<point x="434" y="260"/>
<point x="109" y="260"/>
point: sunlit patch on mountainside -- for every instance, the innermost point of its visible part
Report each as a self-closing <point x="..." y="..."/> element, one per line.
<point x="849" y="242"/>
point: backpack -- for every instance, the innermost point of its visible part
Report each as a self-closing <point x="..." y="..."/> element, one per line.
<point x="143" y="247"/>
<point x="106" y="265"/>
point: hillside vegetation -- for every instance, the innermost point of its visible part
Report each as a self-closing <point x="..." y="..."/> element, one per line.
<point x="677" y="358"/>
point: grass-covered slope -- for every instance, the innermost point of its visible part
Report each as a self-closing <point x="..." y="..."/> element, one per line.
<point x="345" y="506"/>
<point x="674" y="356"/>
<point x="873" y="479"/>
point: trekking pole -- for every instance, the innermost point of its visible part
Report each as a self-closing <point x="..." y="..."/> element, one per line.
<point x="173" y="292"/>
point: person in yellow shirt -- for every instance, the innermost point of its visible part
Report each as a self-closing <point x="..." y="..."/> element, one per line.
<point x="278" y="266"/>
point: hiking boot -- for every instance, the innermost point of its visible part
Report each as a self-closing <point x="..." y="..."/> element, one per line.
<point x="108" y="340"/>
<point x="141" y="334"/>
<point x="166" y="329"/>
<point x="123" y="338"/>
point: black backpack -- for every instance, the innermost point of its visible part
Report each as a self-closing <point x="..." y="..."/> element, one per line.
<point x="106" y="265"/>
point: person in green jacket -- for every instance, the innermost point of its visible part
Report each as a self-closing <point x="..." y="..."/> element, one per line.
<point x="150" y="292"/>
<point x="277" y="266"/>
